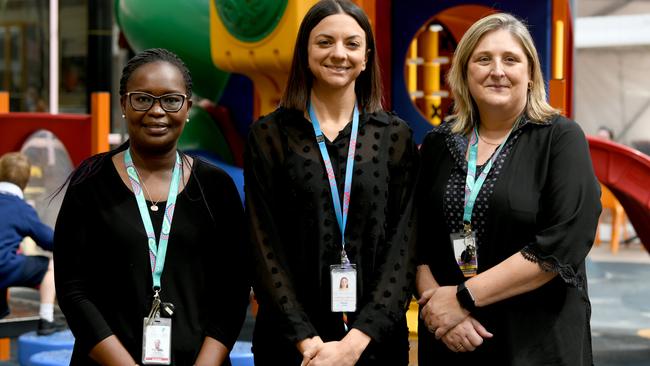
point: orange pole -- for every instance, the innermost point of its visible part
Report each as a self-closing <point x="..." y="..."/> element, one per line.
<point x="4" y="102"/>
<point x="558" y="84"/>
<point x="370" y="8"/>
<point x="5" y="349"/>
<point x="100" y="115"/>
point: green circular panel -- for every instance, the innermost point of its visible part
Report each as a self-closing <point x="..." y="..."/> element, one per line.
<point x="250" y="20"/>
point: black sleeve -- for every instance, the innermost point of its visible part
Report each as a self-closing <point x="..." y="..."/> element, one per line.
<point x="268" y="253"/>
<point x="430" y="151"/>
<point x="71" y="237"/>
<point x="570" y="206"/>
<point x="393" y="279"/>
<point x="231" y="275"/>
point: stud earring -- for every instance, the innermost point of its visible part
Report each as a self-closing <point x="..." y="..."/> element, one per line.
<point x="187" y="120"/>
<point x="123" y="116"/>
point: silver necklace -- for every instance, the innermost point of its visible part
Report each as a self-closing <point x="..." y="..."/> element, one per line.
<point x="154" y="204"/>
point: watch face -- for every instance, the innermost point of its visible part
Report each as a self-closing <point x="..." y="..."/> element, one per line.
<point x="465" y="297"/>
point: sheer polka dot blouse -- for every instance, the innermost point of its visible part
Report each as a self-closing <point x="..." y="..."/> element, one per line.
<point x="294" y="233"/>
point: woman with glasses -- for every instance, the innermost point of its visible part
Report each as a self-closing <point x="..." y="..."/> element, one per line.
<point x="329" y="186"/>
<point x="145" y="233"/>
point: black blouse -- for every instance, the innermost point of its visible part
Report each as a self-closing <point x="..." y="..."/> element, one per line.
<point x="103" y="272"/>
<point x="296" y="237"/>
<point x="541" y="199"/>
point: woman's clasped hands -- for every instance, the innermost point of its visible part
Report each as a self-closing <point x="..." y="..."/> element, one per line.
<point x="452" y="324"/>
<point x="345" y="352"/>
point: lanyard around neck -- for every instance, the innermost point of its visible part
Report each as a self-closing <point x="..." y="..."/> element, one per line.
<point x="156" y="252"/>
<point x="341" y="214"/>
<point x="472" y="184"/>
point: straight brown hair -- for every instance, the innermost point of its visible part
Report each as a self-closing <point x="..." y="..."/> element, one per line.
<point x="367" y="87"/>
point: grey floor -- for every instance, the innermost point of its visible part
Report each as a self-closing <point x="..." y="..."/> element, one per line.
<point x="619" y="289"/>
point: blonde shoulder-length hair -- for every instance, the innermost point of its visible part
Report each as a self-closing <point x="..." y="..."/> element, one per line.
<point x="464" y="113"/>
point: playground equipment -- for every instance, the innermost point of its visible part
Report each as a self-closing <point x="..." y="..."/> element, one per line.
<point x="626" y="172"/>
<point x="181" y="26"/>
<point x="30" y="344"/>
<point x="83" y="135"/>
<point x="425" y="34"/>
<point x="212" y="128"/>
<point x="256" y="39"/>
<point x="60" y="357"/>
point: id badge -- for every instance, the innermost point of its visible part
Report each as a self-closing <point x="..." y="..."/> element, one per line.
<point x="465" y="253"/>
<point x="157" y="341"/>
<point x="344" y="288"/>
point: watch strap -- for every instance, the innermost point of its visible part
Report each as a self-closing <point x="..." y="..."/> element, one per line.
<point x="465" y="297"/>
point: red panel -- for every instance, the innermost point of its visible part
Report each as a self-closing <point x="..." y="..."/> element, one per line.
<point x="384" y="50"/>
<point x="72" y="129"/>
<point x="626" y="172"/>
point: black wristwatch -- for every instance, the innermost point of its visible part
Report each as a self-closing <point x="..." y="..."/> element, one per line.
<point x="465" y="297"/>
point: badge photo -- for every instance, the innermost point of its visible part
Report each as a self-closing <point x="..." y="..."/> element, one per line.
<point x="344" y="288"/>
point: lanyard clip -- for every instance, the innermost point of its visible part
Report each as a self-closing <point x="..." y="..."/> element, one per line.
<point x="344" y="258"/>
<point x="467" y="227"/>
<point x="320" y="138"/>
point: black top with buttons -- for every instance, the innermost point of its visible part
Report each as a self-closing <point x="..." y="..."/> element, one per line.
<point x="296" y="238"/>
<point x="540" y="199"/>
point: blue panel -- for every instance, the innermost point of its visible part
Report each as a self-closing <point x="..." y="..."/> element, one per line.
<point x="410" y="15"/>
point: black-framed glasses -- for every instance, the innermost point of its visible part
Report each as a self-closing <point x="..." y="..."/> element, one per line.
<point x="142" y="102"/>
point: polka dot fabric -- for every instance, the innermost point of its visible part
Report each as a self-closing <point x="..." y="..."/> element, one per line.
<point x="296" y="237"/>
<point x="454" y="195"/>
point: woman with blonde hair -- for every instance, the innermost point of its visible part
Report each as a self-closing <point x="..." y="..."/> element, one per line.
<point x="511" y="204"/>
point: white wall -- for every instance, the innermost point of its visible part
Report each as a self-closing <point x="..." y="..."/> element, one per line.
<point x="612" y="88"/>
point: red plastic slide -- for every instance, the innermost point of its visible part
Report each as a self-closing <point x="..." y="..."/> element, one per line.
<point x="626" y="172"/>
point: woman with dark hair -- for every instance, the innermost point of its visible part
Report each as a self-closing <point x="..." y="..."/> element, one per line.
<point x="142" y="240"/>
<point x="511" y="203"/>
<point x="329" y="142"/>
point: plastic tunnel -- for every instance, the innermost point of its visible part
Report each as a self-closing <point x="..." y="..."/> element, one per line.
<point x="626" y="172"/>
<point x="184" y="28"/>
<point x="181" y="26"/>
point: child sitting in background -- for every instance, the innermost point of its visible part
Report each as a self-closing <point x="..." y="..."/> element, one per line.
<point x="18" y="220"/>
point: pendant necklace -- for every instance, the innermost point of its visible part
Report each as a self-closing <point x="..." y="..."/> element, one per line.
<point x="154" y="204"/>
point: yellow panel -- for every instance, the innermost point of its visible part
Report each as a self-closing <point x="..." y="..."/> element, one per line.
<point x="267" y="61"/>
<point x="412" y="318"/>
<point x="35" y="172"/>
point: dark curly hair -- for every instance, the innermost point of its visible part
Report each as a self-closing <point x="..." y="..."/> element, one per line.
<point x="155" y="55"/>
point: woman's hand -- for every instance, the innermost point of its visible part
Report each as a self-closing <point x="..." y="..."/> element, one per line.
<point x="441" y="310"/>
<point x="345" y="352"/>
<point x="334" y="353"/>
<point x="308" y="348"/>
<point x="466" y="336"/>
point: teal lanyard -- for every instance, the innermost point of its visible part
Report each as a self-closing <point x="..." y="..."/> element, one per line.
<point x="156" y="252"/>
<point x="472" y="184"/>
